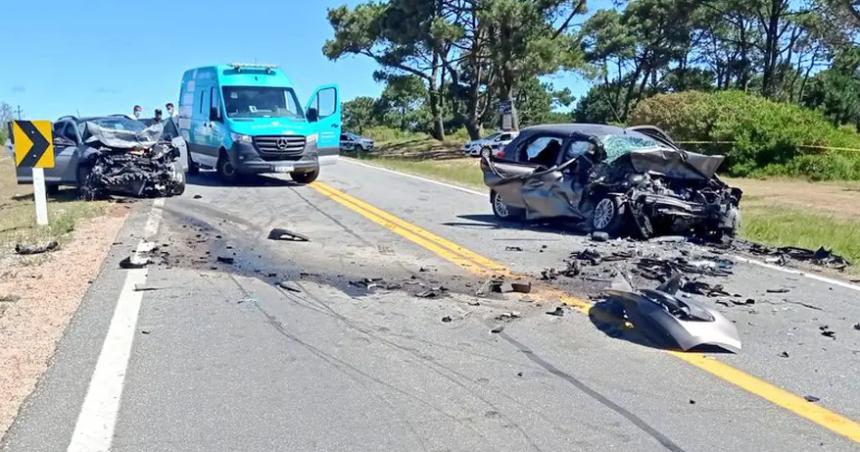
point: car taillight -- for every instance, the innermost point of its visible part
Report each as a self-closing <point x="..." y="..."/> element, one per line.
<point x="500" y="153"/>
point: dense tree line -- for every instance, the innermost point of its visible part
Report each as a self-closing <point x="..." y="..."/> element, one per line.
<point x="449" y="63"/>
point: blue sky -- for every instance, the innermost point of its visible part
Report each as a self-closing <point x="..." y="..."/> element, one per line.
<point x="99" y="57"/>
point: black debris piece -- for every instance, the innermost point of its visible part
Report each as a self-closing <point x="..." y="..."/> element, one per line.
<point x="446" y="319"/>
<point x="549" y="274"/>
<point x="39" y="248"/>
<point x="513" y="248"/>
<point x="558" y="312"/>
<point x="9" y="298"/>
<point x="289" y="286"/>
<point x="783" y="355"/>
<point x="589" y="255"/>
<point x="780" y="290"/>
<point x="811" y="398"/>
<point x="145" y="288"/>
<point x="287" y="235"/>
<point x="857" y="326"/>
<point x="144" y="331"/>
<point x="599" y="236"/>
<point x="226" y="260"/>
<point x="827" y="332"/>
<point x="498" y="329"/>
<point x="663" y="269"/>
<point x="783" y="255"/>
<point x="432" y="292"/>
<point x="692" y="402"/>
<point x="519" y="374"/>
<point x="134" y="261"/>
<point x="197" y="196"/>
<point x="703" y="288"/>
<point x="521" y="287"/>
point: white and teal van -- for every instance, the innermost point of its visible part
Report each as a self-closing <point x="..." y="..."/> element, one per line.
<point x="246" y="119"/>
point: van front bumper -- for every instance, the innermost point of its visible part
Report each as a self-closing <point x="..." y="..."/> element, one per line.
<point x="247" y="160"/>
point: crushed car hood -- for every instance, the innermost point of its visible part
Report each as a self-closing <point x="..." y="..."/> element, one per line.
<point x="676" y="164"/>
<point x="122" y="139"/>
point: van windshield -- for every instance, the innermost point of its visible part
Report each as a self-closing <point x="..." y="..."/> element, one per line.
<point x="261" y="102"/>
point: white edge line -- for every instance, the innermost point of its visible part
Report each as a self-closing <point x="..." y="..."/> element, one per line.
<point x="747" y="260"/>
<point x="94" y="428"/>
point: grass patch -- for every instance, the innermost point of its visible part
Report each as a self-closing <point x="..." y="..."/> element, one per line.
<point x="18" y="214"/>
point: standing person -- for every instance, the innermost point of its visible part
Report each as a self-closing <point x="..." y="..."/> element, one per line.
<point x="170" y="110"/>
<point x="157" y="116"/>
<point x="137" y="111"/>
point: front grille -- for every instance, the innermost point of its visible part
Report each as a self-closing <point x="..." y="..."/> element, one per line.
<point x="280" y="147"/>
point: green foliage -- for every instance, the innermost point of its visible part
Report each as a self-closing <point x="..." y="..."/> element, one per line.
<point x="358" y="114"/>
<point x="768" y="138"/>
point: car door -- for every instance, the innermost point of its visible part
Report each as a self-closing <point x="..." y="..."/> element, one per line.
<point x="540" y="188"/>
<point x="507" y="176"/>
<point x="560" y="191"/>
<point x="326" y="101"/>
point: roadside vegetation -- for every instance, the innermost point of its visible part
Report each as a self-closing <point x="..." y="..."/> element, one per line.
<point x="17" y="212"/>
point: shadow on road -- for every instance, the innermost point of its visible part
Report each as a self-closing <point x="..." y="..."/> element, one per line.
<point x="210" y="179"/>
<point x="487" y="221"/>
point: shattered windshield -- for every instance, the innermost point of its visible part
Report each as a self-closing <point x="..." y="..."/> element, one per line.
<point x="618" y="145"/>
<point x="261" y="102"/>
<point x="120" y="123"/>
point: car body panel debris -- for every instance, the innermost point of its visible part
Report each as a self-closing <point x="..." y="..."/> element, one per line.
<point x="612" y="181"/>
<point x="687" y="323"/>
<point x="134" y="261"/>
<point x="289" y="286"/>
<point x="287" y="235"/>
<point x="39" y="248"/>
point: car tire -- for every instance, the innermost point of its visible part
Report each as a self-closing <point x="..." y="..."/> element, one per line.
<point x="193" y="168"/>
<point x="226" y="171"/>
<point x="503" y="211"/>
<point x="305" y="177"/>
<point x="609" y="216"/>
<point x="486" y="152"/>
<point x="85" y="190"/>
<point x="52" y="190"/>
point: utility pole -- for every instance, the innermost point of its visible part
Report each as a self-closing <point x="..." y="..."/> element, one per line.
<point x="18" y="111"/>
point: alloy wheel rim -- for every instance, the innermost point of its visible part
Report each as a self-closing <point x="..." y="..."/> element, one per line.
<point x="603" y="213"/>
<point x="501" y="207"/>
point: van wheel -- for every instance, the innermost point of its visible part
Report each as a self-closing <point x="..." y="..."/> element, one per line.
<point x="305" y="177"/>
<point x="193" y="168"/>
<point x="226" y="171"/>
<point x="609" y="216"/>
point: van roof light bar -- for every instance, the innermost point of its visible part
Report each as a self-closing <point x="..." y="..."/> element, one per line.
<point x="268" y="67"/>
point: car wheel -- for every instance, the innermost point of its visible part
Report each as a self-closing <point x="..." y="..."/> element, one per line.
<point x="502" y="210"/>
<point x="486" y="152"/>
<point x="193" y="168"/>
<point x="609" y="216"/>
<point x="226" y="171"/>
<point x="305" y="177"/>
<point x="52" y="190"/>
<point x="179" y="181"/>
<point x="86" y="190"/>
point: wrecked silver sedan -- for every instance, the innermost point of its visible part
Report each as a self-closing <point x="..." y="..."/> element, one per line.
<point x="115" y="155"/>
<point x="611" y="179"/>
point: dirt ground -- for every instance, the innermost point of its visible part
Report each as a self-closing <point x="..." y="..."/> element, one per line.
<point x="841" y="200"/>
<point x="38" y="297"/>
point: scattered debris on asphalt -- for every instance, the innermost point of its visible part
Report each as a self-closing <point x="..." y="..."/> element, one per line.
<point x="821" y="257"/>
<point x="811" y="398"/>
<point x="432" y="292"/>
<point x="289" y="286"/>
<point x="197" y="196"/>
<point x="783" y="355"/>
<point x="446" y="319"/>
<point x="513" y="248"/>
<point x="145" y="288"/>
<point x="827" y="332"/>
<point x="508" y="316"/>
<point x="520" y="287"/>
<point x="287" y="235"/>
<point x="498" y="329"/>
<point x="558" y="312"/>
<point x="144" y="331"/>
<point x="692" y="402"/>
<point x="226" y="260"/>
<point x="246" y="300"/>
<point x="39" y="248"/>
<point x="857" y="326"/>
<point x="491" y="285"/>
<point x="780" y="290"/>
<point x="134" y="261"/>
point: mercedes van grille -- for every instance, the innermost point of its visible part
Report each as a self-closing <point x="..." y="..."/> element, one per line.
<point x="288" y="147"/>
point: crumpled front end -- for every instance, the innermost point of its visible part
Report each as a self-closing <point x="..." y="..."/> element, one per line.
<point x="142" y="173"/>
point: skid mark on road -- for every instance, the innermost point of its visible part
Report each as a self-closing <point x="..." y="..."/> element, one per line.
<point x="96" y="422"/>
<point x="483" y="266"/>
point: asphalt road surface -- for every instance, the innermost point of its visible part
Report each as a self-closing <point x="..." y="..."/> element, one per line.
<point x="193" y="354"/>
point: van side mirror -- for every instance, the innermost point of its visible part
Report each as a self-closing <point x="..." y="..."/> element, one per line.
<point x="214" y="114"/>
<point x="313" y="115"/>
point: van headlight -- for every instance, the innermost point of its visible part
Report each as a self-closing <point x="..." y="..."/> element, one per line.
<point x="312" y="138"/>
<point x="239" y="138"/>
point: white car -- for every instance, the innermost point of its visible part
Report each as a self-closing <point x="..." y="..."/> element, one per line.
<point x="491" y="144"/>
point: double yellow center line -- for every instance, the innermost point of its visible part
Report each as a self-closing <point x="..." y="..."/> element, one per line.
<point x="483" y="266"/>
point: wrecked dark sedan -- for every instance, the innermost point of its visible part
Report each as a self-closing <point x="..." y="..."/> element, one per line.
<point x="610" y="179"/>
<point x="116" y="155"/>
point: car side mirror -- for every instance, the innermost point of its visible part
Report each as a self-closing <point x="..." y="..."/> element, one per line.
<point x="313" y="115"/>
<point x="63" y="141"/>
<point x="214" y="114"/>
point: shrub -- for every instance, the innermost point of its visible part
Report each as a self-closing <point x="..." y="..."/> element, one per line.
<point x="769" y="138"/>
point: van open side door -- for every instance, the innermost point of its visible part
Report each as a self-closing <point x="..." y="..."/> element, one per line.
<point x="324" y="106"/>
